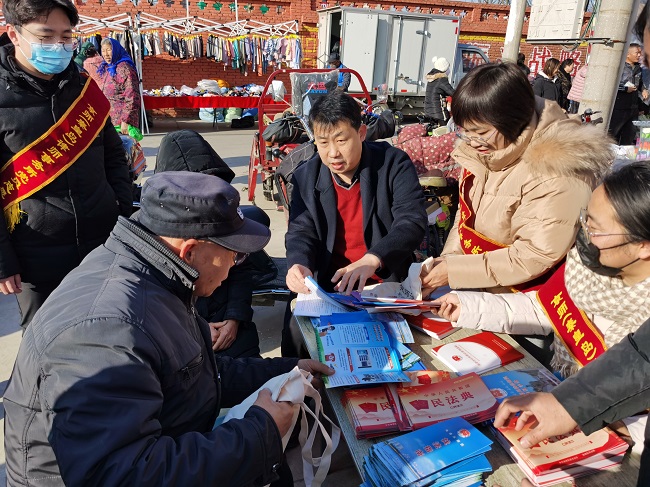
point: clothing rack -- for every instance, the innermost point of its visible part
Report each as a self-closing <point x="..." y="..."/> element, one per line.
<point x="142" y="22"/>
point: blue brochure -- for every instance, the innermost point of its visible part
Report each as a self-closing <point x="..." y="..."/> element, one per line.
<point x="518" y="382"/>
<point x="449" y="453"/>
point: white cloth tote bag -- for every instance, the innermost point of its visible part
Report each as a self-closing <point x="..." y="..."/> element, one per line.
<point x="293" y="387"/>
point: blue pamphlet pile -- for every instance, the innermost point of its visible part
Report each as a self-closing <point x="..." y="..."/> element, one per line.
<point x="450" y="453"/>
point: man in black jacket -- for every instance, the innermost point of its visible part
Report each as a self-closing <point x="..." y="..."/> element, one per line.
<point x="74" y="188"/>
<point x="626" y="105"/>
<point x="357" y="208"/>
<point x="115" y="382"/>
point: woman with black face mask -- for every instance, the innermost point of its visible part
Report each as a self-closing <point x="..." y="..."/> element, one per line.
<point x="598" y="297"/>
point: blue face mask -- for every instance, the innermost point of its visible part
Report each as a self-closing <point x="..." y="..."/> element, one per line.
<point x="51" y="60"/>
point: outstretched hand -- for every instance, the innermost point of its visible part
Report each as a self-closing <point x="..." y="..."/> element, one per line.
<point x="316" y="369"/>
<point x="296" y="278"/>
<point x="449" y="307"/>
<point x="552" y="418"/>
<point x="436" y="277"/>
<point x="357" y="272"/>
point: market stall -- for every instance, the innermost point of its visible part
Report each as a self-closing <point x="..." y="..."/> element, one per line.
<point x="158" y="102"/>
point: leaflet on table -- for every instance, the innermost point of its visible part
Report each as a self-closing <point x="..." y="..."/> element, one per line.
<point x="396" y="326"/>
<point x="477" y="353"/>
<point x="395" y="323"/>
<point x="317" y="302"/>
<point x="359" y="353"/>
<point x="519" y="382"/>
<point x="407" y="357"/>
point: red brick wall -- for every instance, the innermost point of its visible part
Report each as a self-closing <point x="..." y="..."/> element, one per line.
<point x="483" y="25"/>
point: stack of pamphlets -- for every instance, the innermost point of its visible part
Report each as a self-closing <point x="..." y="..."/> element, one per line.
<point x="518" y="382"/>
<point x="432" y="325"/>
<point x="466" y="396"/>
<point x="477" y="353"/>
<point x="377" y="411"/>
<point x="372" y="413"/>
<point x="451" y="453"/>
<point x="562" y="458"/>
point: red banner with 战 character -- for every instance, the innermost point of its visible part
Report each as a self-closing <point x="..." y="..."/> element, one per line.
<point x="42" y="161"/>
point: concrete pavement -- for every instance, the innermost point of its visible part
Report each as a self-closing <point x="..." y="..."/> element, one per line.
<point x="234" y="146"/>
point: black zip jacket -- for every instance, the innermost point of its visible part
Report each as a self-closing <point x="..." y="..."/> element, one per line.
<point x="75" y="213"/>
<point x="115" y="382"/>
<point x="392" y="201"/>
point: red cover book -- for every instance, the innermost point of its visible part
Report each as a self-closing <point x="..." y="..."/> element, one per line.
<point x="477" y="353"/>
<point x="425" y="377"/>
<point x="432" y="326"/>
<point x="370" y="411"/>
<point x="466" y="396"/>
<point x="562" y="457"/>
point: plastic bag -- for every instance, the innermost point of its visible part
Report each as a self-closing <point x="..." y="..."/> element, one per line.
<point x="134" y="156"/>
<point x="208" y="114"/>
<point x="277" y="90"/>
<point x="283" y="131"/>
<point x="133" y="132"/>
<point x="232" y="113"/>
<point x="306" y="88"/>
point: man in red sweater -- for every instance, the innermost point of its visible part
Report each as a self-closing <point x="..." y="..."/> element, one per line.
<point x="357" y="210"/>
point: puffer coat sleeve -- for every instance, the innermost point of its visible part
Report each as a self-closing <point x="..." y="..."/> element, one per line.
<point x="594" y="399"/>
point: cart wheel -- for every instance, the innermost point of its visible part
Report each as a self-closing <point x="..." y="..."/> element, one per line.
<point x="267" y="186"/>
<point x="253" y="163"/>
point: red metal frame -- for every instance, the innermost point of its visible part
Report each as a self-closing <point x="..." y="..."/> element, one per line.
<point x="259" y="164"/>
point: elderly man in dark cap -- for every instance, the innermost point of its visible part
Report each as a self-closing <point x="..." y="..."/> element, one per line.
<point x="115" y="382"/>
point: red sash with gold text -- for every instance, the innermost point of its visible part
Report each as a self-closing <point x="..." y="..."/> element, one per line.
<point x="581" y="338"/>
<point x="45" y="159"/>
<point x="473" y="242"/>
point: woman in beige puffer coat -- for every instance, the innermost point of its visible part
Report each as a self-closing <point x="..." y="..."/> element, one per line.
<point x="533" y="171"/>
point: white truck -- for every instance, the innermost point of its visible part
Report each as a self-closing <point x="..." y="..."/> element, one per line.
<point x="394" y="48"/>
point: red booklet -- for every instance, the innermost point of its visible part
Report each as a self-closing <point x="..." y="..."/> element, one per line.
<point x="377" y="411"/>
<point x="433" y="326"/>
<point x="564" y="457"/>
<point x="466" y="396"/>
<point x="477" y="353"/>
<point x="370" y="411"/>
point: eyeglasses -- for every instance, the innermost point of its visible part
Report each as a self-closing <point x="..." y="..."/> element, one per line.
<point x="588" y="233"/>
<point x="460" y="133"/>
<point x="237" y="257"/>
<point x="240" y="257"/>
<point x="49" y="43"/>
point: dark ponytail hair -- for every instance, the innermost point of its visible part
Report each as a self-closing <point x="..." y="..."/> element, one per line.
<point x="628" y="190"/>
